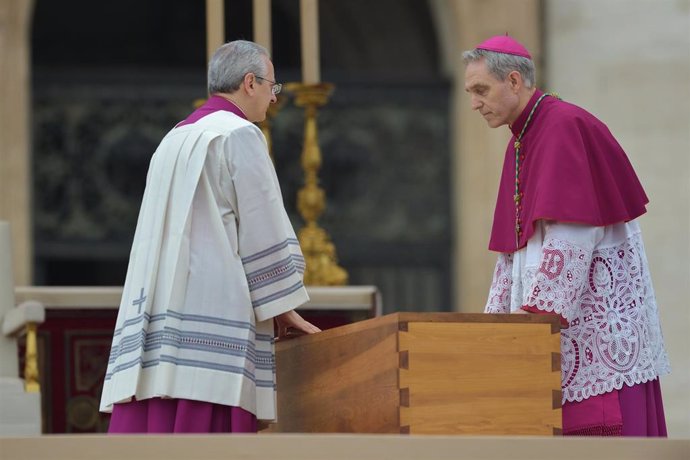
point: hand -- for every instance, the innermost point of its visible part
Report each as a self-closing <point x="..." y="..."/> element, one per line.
<point x="521" y="312"/>
<point x="292" y="319"/>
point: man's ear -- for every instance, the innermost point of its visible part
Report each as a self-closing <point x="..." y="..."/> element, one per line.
<point x="248" y="83"/>
<point x="515" y="80"/>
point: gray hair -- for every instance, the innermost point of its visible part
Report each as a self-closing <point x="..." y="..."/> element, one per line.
<point x="232" y="61"/>
<point x="501" y="64"/>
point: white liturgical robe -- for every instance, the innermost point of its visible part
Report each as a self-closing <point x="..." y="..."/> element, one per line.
<point x="214" y="259"/>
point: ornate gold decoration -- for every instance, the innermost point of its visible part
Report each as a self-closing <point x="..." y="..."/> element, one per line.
<point x="319" y="252"/>
<point x="265" y="125"/>
<point x="82" y="413"/>
<point x="31" y="384"/>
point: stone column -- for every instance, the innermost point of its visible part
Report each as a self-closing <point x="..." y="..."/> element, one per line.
<point x="477" y="149"/>
<point x="15" y="174"/>
<point x="8" y="347"/>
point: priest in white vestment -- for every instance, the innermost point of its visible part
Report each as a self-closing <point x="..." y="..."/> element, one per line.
<point x="213" y="262"/>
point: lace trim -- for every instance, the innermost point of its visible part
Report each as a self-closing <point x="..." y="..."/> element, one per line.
<point x="557" y="284"/>
<point x="614" y="336"/>
<point x="614" y="339"/>
<point x="501" y="285"/>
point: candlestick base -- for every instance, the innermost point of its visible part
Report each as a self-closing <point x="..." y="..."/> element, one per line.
<point x="319" y="252"/>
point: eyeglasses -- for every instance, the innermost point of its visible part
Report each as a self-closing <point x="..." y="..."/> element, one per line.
<point x="275" y="89"/>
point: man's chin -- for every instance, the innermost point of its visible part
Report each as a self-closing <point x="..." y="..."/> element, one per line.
<point x="494" y="123"/>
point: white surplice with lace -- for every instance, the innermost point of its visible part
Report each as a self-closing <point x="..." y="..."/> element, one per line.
<point x="597" y="279"/>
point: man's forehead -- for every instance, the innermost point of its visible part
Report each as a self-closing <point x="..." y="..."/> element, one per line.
<point x="476" y="74"/>
<point x="269" y="67"/>
<point x="476" y="69"/>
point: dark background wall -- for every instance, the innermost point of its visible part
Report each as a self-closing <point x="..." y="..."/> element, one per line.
<point x="111" y="78"/>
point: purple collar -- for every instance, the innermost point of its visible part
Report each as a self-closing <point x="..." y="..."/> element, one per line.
<point x="517" y="125"/>
<point x="212" y="104"/>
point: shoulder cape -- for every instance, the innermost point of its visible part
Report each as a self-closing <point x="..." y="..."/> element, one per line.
<point x="573" y="171"/>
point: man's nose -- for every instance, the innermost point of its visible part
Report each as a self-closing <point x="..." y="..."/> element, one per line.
<point x="476" y="103"/>
<point x="274" y="98"/>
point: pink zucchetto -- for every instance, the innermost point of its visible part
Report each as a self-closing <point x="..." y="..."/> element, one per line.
<point x="504" y="44"/>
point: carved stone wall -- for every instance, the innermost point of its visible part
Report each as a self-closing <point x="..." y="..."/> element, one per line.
<point x="15" y="172"/>
<point x="385" y="173"/>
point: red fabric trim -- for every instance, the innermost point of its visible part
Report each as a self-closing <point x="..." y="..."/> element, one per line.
<point x="171" y="415"/>
<point x="612" y="430"/>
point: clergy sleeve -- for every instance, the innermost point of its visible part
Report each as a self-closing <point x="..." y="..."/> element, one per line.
<point x="501" y="284"/>
<point x="270" y="253"/>
<point x="562" y="276"/>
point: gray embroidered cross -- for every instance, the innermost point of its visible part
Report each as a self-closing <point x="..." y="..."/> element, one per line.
<point x="140" y="301"/>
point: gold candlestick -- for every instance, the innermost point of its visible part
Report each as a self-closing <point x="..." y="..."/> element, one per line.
<point x="319" y="252"/>
<point x="31" y="383"/>
<point x="265" y="125"/>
